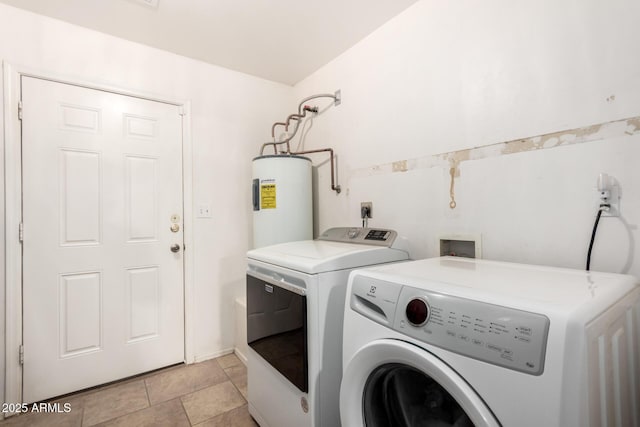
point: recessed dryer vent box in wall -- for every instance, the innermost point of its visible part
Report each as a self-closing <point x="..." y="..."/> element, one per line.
<point x="462" y="245"/>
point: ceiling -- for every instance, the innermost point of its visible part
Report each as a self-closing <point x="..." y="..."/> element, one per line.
<point x="279" y="40"/>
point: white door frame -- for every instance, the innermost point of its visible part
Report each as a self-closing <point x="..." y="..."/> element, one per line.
<point x="13" y="215"/>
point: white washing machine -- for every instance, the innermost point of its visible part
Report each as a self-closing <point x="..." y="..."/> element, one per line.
<point x="295" y="304"/>
<point x="460" y="342"/>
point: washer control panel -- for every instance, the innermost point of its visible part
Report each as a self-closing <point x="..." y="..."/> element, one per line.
<point x="503" y="336"/>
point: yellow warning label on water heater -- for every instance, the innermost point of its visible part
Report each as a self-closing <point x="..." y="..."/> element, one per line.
<point x="268" y="196"/>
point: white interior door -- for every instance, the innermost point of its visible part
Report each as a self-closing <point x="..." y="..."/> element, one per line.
<point x="102" y="205"/>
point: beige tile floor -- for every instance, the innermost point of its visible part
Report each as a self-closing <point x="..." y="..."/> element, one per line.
<point x="206" y="394"/>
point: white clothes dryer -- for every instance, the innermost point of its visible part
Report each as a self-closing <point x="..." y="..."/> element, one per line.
<point x="461" y="342"/>
<point x="295" y="304"/>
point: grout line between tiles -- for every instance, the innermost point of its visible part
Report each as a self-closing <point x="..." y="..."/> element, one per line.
<point x="185" y="409"/>
<point x="146" y="390"/>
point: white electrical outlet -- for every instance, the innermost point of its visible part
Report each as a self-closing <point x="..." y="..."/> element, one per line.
<point x="614" y="202"/>
<point x="609" y="193"/>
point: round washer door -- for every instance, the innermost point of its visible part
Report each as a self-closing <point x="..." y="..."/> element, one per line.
<point x="394" y="383"/>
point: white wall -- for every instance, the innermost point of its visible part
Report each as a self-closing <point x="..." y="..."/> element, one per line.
<point x="231" y="115"/>
<point x="448" y="76"/>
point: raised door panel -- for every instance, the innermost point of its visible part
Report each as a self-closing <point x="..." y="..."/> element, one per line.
<point x="80" y="198"/>
<point x="80" y="313"/>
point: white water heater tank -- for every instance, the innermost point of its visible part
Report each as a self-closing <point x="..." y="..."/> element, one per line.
<point x="282" y="200"/>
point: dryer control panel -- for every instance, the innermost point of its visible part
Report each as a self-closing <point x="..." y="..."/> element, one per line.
<point x="503" y="336"/>
<point x="363" y="236"/>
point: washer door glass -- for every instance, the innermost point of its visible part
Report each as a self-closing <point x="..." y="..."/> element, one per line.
<point x="393" y="383"/>
<point x="397" y="395"/>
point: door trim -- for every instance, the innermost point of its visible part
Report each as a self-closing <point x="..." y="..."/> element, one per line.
<point x="12" y="75"/>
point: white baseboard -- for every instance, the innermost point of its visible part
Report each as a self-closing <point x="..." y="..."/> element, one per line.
<point x="241" y="356"/>
<point x="210" y="356"/>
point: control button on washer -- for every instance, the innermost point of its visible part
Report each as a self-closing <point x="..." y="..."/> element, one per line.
<point x="494" y="348"/>
<point x="524" y="330"/>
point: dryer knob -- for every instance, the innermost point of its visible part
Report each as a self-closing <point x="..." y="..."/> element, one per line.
<point x="417" y="312"/>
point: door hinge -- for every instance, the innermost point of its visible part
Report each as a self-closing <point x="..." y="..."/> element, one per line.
<point x="19" y="110"/>
<point x="21" y="354"/>
<point x="21" y="232"/>
<point x="181" y="111"/>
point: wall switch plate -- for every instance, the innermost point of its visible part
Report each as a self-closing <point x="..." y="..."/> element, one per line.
<point x="204" y="211"/>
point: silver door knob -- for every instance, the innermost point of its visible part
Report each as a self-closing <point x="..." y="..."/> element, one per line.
<point x="175" y="248"/>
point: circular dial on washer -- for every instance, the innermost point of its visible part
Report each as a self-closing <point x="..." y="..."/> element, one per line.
<point x="417" y="311"/>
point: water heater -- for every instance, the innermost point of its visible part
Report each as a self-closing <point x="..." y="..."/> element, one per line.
<point x="282" y="199"/>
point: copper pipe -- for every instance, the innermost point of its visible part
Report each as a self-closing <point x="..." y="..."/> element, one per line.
<point x="334" y="187"/>
<point x="302" y="111"/>
<point x="293" y="117"/>
<point x="268" y="143"/>
<point x="273" y="129"/>
<point x="300" y="116"/>
<point x="297" y="117"/>
<point x="275" y="148"/>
